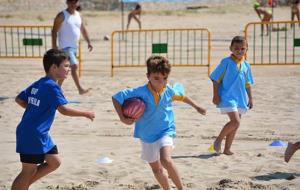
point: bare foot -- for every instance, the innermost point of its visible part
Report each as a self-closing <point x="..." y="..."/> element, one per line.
<point x="217" y="147"/>
<point x="84" y="91"/>
<point x="228" y="152"/>
<point x="290" y="150"/>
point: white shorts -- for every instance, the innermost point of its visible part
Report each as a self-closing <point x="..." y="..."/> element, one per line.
<point x="151" y="151"/>
<point x="233" y="109"/>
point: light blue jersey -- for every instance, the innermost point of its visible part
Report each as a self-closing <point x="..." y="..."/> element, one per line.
<point x="158" y="118"/>
<point x="233" y="78"/>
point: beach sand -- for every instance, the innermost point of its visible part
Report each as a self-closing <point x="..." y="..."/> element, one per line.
<point x="255" y="164"/>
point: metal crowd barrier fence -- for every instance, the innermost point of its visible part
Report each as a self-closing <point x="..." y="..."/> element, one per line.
<point x="183" y="47"/>
<point x="27" y="42"/>
<point x="273" y="43"/>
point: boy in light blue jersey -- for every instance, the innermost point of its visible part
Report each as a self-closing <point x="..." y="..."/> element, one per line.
<point x="38" y="153"/>
<point x="156" y="128"/>
<point x="232" y="80"/>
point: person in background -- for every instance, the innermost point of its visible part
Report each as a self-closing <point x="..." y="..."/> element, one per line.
<point x="264" y="14"/>
<point x="67" y="28"/>
<point x="136" y="15"/>
<point x="295" y="10"/>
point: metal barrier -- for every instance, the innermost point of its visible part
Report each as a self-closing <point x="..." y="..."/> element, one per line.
<point x="22" y="42"/>
<point x="183" y="47"/>
<point x="278" y="45"/>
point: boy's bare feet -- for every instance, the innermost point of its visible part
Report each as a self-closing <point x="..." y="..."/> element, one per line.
<point x="84" y="91"/>
<point x="217" y="147"/>
<point x="290" y="150"/>
<point x="228" y="152"/>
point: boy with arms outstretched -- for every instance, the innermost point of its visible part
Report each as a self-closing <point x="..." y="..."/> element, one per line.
<point x="156" y="128"/>
<point x="38" y="153"/>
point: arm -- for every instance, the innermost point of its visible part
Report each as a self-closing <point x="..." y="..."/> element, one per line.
<point x="65" y="110"/>
<point x="21" y="103"/>
<point x="191" y="102"/>
<point x="86" y="37"/>
<point x="216" y="97"/>
<point x="56" y="26"/>
<point x="118" y="108"/>
<point x="249" y="92"/>
<point x="258" y="12"/>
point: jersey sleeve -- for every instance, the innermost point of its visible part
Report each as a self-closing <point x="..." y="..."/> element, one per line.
<point x="25" y="94"/>
<point x="178" y="92"/>
<point x="178" y="98"/>
<point x="249" y="77"/>
<point x="219" y="72"/>
<point x="57" y="97"/>
<point x="122" y="95"/>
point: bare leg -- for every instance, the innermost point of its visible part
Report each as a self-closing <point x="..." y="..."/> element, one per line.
<point x="138" y="21"/>
<point x="51" y="164"/>
<point x="168" y="164"/>
<point x="128" y="22"/>
<point x="231" y="126"/>
<point x="292" y="17"/>
<point x="22" y="181"/>
<point x="76" y="80"/>
<point x="290" y="150"/>
<point x="298" y="16"/>
<point x="162" y="179"/>
<point x="229" y="140"/>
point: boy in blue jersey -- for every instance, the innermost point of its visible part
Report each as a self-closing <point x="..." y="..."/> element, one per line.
<point x="156" y="128"/>
<point x="38" y="153"/>
<point x="232" y="80"/>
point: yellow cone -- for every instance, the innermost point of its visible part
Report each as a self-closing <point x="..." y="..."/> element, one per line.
<point x="211" y="149"/>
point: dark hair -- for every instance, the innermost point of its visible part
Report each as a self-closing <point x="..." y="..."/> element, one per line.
<point x="238" y="39"/>
<point x="79" y="8"/>
<point x="54" y="56"/>
<point x="158" y="64"/>
<point x="138" y="6"/>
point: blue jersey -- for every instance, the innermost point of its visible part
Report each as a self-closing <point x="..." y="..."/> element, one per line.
<point x="233" y="78"/>
<point x="158" y="118"/>
<point x="42" y="97"/>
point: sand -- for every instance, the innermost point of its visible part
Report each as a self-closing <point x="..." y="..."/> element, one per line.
<point x="255" y="164"/>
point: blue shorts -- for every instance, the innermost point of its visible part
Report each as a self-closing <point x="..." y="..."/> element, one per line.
<point x="72" y="53"/>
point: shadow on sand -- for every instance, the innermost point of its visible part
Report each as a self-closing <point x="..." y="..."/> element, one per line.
<point x="2" y="98"/>
<point x="277" y="175"/>
<point x="201" y="156"/>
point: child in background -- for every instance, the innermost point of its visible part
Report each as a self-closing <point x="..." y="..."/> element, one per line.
<point x="156" y="128"/>
<point x="38" y="153"/>
<point x="232" y="80"/>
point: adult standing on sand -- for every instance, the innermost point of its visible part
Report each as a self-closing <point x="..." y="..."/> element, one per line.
<point x="67" y="27"/>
